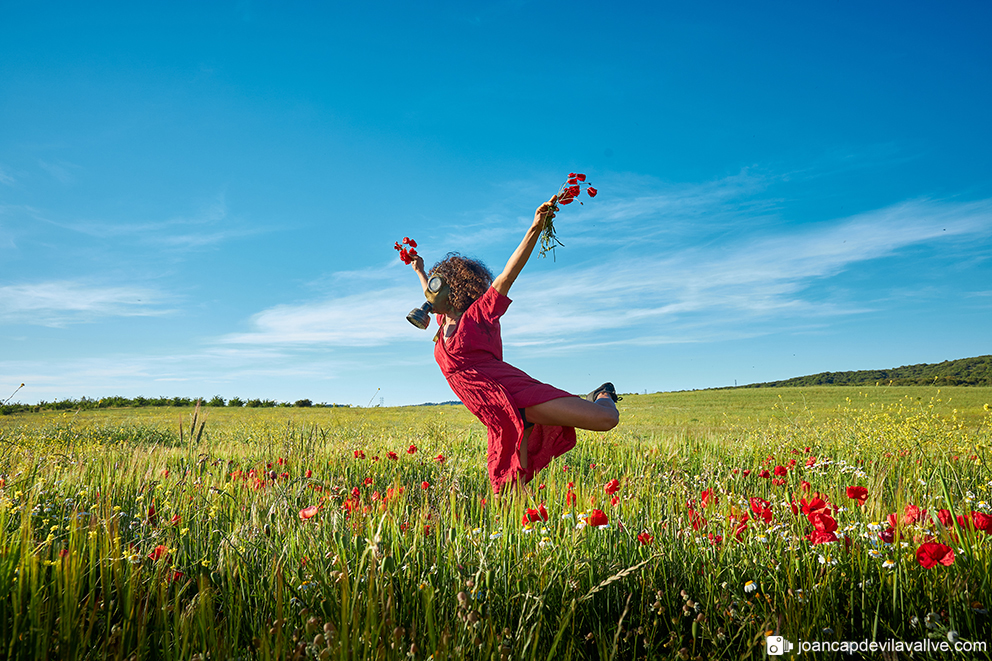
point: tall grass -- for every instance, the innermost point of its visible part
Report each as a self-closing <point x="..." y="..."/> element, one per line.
<point x="125" y="539"/>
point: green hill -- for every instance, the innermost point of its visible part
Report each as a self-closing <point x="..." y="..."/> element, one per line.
<point x="964" y="372"/>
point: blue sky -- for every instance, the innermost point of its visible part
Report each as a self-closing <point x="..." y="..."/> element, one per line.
<point x="203" y="200"/>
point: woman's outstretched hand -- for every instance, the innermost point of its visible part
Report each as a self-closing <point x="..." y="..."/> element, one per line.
<point x="545" y="212"/>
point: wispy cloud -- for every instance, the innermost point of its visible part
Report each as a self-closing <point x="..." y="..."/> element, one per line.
<point x="58" y="303"/>
<point x="61" y="171"/>
<point x="6" y="178"/>
<point x="717" y="289"/>
<point x="208" y="226"/>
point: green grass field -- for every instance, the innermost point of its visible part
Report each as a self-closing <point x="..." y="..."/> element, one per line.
<point x="288" y="533"/>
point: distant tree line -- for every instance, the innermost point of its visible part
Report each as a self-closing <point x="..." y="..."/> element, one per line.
<point x="116" y="402"/>
<point x="964" y="372"/>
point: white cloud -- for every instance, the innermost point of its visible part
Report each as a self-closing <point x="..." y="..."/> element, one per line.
<point x="57" y="303"/>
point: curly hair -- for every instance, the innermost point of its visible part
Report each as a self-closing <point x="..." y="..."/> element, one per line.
<point x="468" y="279"/>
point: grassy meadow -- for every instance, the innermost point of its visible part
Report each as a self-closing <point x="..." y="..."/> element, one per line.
<point x="702" y="523"/>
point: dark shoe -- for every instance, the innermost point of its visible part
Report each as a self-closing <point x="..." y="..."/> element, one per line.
<point x="607" y="388"/>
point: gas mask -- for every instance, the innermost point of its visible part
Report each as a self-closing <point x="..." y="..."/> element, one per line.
<point x="437" y="293"/>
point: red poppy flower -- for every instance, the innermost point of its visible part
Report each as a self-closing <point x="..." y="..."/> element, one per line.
<point x="645" y="538"/>
<point x="308" y="513"/>
<point x="392" y="455"/>
<point x="810" y="462"/>
<point x="822" y="521"/>
<point x="425" y="485"/>
<point x="413" y="244"/>
<point x="612" y="486"/>
<point x="158" y="553"/>
<point x="597" y="518"/>
<point x="573" y="191"/>
<point x="814" y="505"/>
<point x="933" y="553"/>
<point x="572" y="180"/>
<point x="570" y="498"/>
<point x="615" y="501"/>
<point x="707" y="497"/>
<point x="696" y="520"/>
<point x="412" y="449"/>
<point x="945" y="518"/>
<point x="564" y="199"/>
<point x="359" y="454"/>
<point x="859" y="494"/>
<point x="592" y="191"/>
<point x="765" y="474"/>
<point x="580" y="177"/>
<point x="911" y="514"/>
<point x="406" y="240"/>
<point x="781" y="470"/>
<point x="821" y="537"/>
<point x="716" y="540"/>
<point x="983" y="522"/>
<point x="175" y="520"/>
<point x="439" y="459"/>
<point x="152" y="515"/>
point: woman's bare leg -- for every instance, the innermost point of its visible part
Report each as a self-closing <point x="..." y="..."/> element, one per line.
<point x="576" y="412"/>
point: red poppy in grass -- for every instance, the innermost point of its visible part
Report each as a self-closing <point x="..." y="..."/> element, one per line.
<point x="911" y="514"/>
<point x="859" y="494"/>
<point x="308" y="513"/>
<point x="592" y="191"/>
<point x="597" y="518"/>
<point x="781" y="470"/>
<point x="367" y="481"/>
<point x="281" y="461"/>
<point x="612" y="486"/>
<point x="570" y="498"/>
<point x="765" y="475"/>
<point x="821" y="537"/>
<point x="716" y="540"/>
<point x="615" y="500"/>
<point x="645" y="538"/>
<point x="741" y="525"/>
<point x="63" y="553"/>
<point x="175" y="520"/>
<point x="309" y="473"/>
<point x="982" y="521"/>
<point x="412" y="449"/>
<point x="778" y="481"/>
<point x="707" y="497"/>
<point x="822" y="521"/>
<point x="810" y="462"/>
<point x="359" y="454"/>
<point x="696" y="520"/>
<point x="392" y="455"/>
<point x="816" y="504"/>
<point x="440" y="458"/>
<point x="425" y="485"/>
<point x="761" y="509"/>
<point x="746" y="472"/>
<point x="543" y="511"/>
<point x="159" y="552"/>
<point x="356" y="493"/>
<point x="888" y="535"/>
<point x="945" y="517"/>
<point x="933" y="553"/>
<point x="152" y="515"/>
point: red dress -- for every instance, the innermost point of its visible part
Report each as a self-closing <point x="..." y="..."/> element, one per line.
<point x="472" y="362"/>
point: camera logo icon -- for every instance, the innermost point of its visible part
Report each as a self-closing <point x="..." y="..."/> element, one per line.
<point x="777" y="645"/>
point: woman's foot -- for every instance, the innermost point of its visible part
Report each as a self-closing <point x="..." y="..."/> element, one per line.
<point x="605" y="390"/>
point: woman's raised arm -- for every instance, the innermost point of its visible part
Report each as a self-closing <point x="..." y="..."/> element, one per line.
<point x="519" y="257"/>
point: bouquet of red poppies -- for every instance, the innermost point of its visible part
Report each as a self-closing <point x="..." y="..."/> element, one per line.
<point x="408" y="250"/>
<point x="568" y="193"/>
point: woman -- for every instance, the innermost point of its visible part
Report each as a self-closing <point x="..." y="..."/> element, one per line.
<point x="529" y="422"/>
